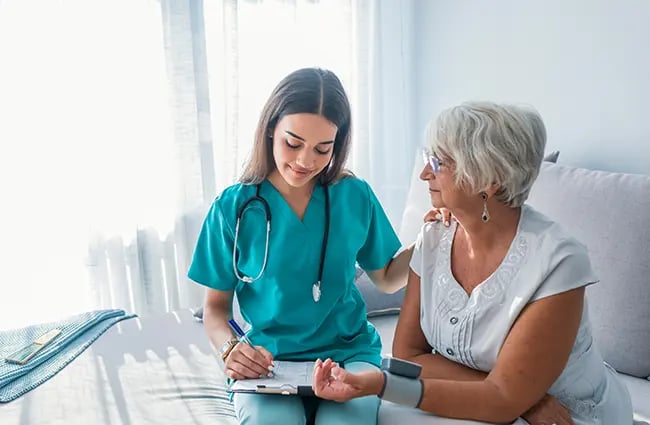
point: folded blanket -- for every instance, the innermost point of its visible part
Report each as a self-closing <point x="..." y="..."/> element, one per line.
<point x="77" y="333"/>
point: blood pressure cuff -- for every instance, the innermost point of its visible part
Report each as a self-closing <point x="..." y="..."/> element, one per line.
<point x="401" y="390"/>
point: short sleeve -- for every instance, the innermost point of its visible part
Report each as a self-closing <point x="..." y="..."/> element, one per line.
<point x="212" y="260"/>
<point x="416" y="259"/>
<point x="381" y="242"/>
<point x="426" y="245"/>
<point x="569" y="268"/>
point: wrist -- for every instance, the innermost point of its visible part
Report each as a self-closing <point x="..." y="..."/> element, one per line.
<point x="226" y="348"/>
<point x="375" y="383"/>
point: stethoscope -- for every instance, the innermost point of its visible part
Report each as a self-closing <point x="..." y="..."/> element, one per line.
<point x="316" y="288"/>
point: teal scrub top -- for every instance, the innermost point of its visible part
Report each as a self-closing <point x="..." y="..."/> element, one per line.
<point x="279" y="306"/>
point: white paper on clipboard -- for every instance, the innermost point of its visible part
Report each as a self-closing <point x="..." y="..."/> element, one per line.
<point x="290" y="378"/>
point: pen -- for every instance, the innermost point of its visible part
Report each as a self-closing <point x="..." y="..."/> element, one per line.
<point x="242" y="336"/>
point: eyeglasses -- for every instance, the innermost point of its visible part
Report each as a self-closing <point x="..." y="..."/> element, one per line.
<point x="430" y="158"/>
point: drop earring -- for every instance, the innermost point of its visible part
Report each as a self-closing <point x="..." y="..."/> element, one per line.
<point x="486" y="215"/>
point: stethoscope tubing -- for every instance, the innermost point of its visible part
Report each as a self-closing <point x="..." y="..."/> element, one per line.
<point x="240" y="214"/>
<point x="267" y="214"/>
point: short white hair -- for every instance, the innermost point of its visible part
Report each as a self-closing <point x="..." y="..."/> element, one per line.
<point x="491" y="143"/>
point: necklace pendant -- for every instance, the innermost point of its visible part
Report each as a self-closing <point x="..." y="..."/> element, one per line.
<point x="315" y="292"/>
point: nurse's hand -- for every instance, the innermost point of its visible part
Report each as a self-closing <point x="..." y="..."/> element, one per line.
<point x="439" y="214"/>
<point x="332" y="382"/>
<point x="245" y="362"/>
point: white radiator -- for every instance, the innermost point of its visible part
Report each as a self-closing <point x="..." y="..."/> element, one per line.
<point x="148" y="273"/>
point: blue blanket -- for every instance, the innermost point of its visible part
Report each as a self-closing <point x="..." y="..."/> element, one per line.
<point x="77" y="333"/>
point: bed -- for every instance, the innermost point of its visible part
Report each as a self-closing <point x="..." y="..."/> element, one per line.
<point x="151" y="370"/>
<point x="157" y="370"/>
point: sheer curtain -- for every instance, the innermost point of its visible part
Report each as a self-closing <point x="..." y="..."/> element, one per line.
<point x="93" y="167"/>
<point x="251" y="45"/>
<point x="121" y="120"/>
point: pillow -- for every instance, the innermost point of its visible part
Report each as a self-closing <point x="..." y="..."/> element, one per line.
<point x="236" y="314"/>
<point x="378" y="303"/>
<point x="608" y="212"/>
<point x="552" y="157"/>
<point x="197" y="313"/>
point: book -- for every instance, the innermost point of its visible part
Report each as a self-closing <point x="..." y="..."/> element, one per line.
<point x="290" y="378"/>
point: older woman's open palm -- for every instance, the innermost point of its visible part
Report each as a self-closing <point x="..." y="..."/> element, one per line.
<point x="332" y="382"/>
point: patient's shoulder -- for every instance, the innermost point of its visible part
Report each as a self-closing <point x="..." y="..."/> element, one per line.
<point x="551" y="237"/>
<point x="431" y="233"/>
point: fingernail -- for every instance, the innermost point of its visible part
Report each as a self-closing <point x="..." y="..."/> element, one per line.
<point x="270" y="367"/>
<point x="438" y="217"/>
<point x="270" y="375"/>
<point x="447" y="223"/>
<point x="262" y="376"/>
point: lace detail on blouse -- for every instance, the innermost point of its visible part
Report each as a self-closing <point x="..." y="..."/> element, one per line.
<point x="494" y="286"/>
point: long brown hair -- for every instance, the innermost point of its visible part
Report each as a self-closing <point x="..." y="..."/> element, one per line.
<point x="307" y="90"/>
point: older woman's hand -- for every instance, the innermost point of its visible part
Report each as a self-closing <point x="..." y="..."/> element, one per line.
<point x="332" y="382"/>
<point x="439" y="214"/>
<point x="548" y="411"/>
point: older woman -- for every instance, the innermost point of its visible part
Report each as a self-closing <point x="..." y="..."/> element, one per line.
<point x="495" y="306"/>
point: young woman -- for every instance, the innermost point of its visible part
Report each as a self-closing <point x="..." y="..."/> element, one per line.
<point x="294" y="280"/>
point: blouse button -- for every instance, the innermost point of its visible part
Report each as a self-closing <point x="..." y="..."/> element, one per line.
<point x="450" y="351"/>
<point x="453" y="320"/>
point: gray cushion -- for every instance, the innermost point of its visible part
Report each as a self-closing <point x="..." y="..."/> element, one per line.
<point x="236" y="313"/>
<point x="610" y="213"/>
<point x="552" y="157"/>
<point x="385" y="325"/>
<point x="378" y="303"/>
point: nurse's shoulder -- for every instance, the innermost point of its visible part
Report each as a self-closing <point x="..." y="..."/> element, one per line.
<point x="354" y="191"/>
<point x="228" y="202"/>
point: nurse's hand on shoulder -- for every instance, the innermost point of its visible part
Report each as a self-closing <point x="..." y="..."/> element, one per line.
<point x="332" y="382"/>
<point x="439" y="214"/>
<point x="244" y="362"/>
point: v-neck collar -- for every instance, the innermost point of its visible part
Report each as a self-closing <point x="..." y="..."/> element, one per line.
<point x="316" y="195"/>
<point x="487" y="281"/>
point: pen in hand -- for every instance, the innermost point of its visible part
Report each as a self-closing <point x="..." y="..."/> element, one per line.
<point x="243" y="338"/>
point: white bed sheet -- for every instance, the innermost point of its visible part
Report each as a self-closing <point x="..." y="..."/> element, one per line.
<point x="152" y="370"/>
<point x="156" y="370"/>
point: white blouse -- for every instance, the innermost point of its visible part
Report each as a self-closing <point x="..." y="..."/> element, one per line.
<point x="470" y="329"/>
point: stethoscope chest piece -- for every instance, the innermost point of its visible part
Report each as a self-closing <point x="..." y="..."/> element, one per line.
<point x="315" y="291"/>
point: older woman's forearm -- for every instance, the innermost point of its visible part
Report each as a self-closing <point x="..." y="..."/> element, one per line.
<point x="393" y="277"/>
<point x="434" y="366"/>
<point x="451" y="398"/>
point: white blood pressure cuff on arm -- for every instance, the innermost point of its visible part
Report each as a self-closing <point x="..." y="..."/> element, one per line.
<point x="401" y="390"/>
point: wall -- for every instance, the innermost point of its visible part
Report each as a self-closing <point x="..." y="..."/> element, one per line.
<point x="585" y="65"/>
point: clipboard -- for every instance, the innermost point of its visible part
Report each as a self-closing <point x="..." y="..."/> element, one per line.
<point x="290" y="378"/>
